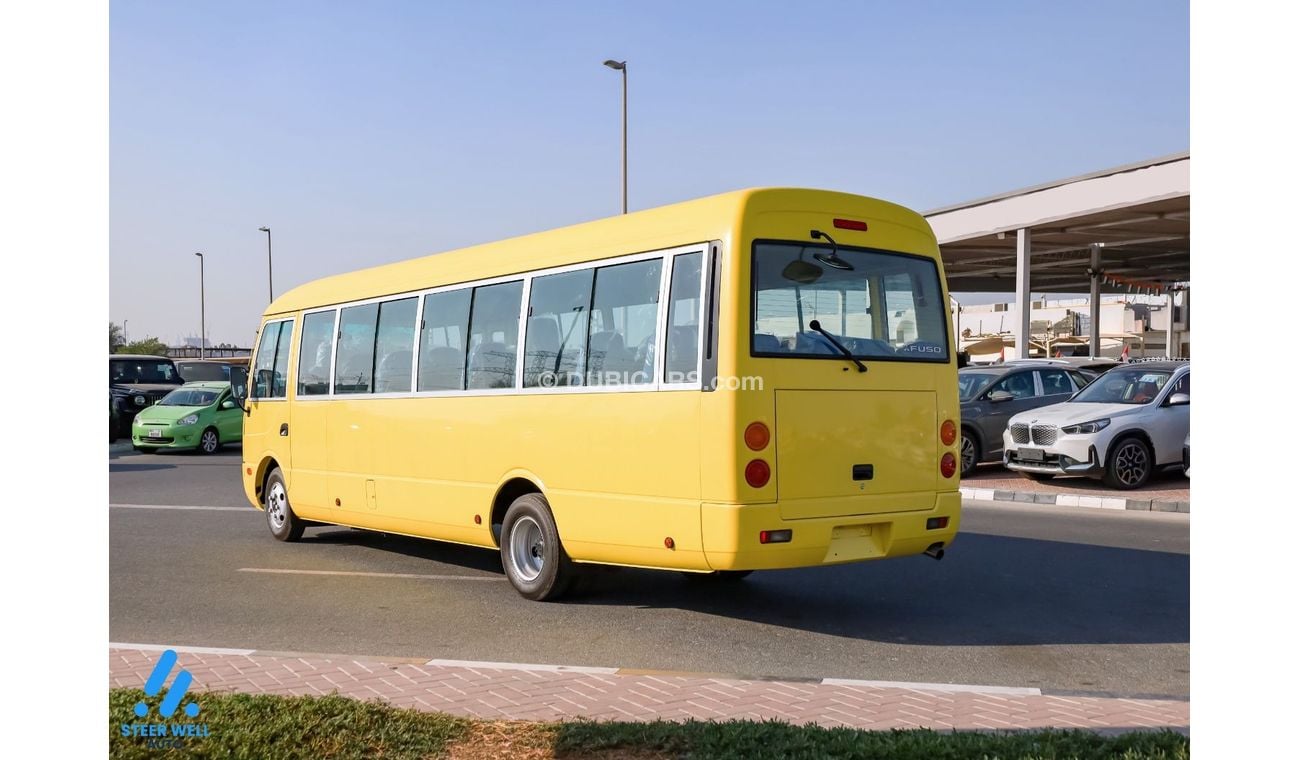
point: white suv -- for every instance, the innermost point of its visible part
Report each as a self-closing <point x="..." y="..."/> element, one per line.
<point x="1124" y="426"/>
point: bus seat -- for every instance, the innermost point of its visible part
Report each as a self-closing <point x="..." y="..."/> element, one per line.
<point x="393" y="375"/>
<point x="541" y="346"/>
<point x="606" y="353"/>
<point x="765" y="343"/>
<point x="441" y="371"/>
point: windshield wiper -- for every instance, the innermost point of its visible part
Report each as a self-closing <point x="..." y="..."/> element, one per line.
<point x="816" y="325"/>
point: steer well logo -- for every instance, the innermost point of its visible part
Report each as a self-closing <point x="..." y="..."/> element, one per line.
<point x="167" y="733"/>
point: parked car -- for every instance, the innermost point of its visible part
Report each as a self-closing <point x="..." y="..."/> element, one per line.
<point x="991" y="395"/>
<point x="137" y="382"/>
<point x="1090" y="365"/>
<point x="233" y="370"/>
<point x="1122" y="428"/>
<point x="113" y="424"/>
<point x="201" y="416"/>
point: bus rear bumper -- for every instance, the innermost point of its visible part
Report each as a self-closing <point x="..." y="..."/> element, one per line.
<point x="731" y="535"/>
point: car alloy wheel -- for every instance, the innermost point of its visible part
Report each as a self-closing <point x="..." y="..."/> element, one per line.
<point x="967" y="454"/>
<point x="1131" y="463"/>
<point x="209" y="443"/>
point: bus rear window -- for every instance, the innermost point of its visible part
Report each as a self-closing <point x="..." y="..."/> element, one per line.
<point x="879" y="305"/>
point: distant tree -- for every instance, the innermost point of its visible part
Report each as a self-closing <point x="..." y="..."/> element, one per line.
<point x="150" y="345"/>
<point x="115" y="338"/>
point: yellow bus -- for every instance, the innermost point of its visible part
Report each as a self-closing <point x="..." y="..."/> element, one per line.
<point x="760" y="379"/>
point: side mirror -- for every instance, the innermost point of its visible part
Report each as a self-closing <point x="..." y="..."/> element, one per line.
<point x="1179" y="399"/>
<point x="1000" y="396"/>
<point x="963" y="359"/>
<point x="228" y="404"/>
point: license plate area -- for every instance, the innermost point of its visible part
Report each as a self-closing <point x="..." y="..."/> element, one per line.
<point x="155" y="434"/>
<point x="856" y="542"/>
<point x="1032" y="455"/>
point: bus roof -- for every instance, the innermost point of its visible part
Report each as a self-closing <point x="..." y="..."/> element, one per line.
<point x="691" y="221"/>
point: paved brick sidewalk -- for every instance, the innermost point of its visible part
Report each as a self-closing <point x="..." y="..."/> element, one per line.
<point x="520" y="692"/>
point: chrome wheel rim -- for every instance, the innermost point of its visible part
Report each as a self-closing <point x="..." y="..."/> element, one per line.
<point x="209" y="441"/>
<point x="527" y="548"/>
<point x="1131" y="463"/>
<point x="277" y="506"/>
<point x="967" y="454"/>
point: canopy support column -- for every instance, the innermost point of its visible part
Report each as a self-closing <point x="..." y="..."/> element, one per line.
<point x="1023" y="304"/>
<point x="1170" y="349"/>
<point x="1094" y="300"/>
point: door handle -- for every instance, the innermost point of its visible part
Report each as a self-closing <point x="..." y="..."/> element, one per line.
<point x="284" y="428"/>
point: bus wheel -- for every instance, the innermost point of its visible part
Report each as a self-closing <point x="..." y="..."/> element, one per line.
<point x="284" y="524"/>
<point x="531" y="553"/>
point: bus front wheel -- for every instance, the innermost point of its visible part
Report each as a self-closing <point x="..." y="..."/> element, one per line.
<point x="284" y="524"/>
<point x="531" y="552"/>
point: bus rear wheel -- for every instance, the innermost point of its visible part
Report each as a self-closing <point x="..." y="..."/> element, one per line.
<point x="531" y="552"/>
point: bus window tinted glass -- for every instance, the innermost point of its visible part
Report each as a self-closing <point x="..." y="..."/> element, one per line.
<point x="265" y="359"/>
<point x="442" y="341"/>
<point x="356" y="360"/>
<point x="280" y="380"/>
<point x="559" y="306"/>
<point x="393" y="344"/>
<point x="315" y="353"/>
<point x="877" y="304"/>
<point x="683" y="340"/>
<point x="621" y="348"/>
<point x="493" y="335"/>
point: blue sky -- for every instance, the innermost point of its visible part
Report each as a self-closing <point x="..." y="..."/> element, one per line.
<point x="364" y="133"/>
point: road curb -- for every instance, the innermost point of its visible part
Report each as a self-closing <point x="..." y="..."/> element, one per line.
<point x="121" y="446"/>
<point x="1076" y="500"/>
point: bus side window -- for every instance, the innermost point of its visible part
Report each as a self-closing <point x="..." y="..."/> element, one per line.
<point x="442" y="341"/>
<point x="493" y="331"/>
<point x="559" y="307"/>
<point x="354" y="366"/>
<point x="624" y="308"/>
<point x="393" y="346"/>
<point x="684" y="320"/>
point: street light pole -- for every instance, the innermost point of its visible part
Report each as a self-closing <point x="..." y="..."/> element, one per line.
<point x="203" y="328"/>
<point x="270" y="290"/>
<point x="622" y="66"/>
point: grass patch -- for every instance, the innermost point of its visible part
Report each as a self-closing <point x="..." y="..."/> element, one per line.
<point x="258" y="726"/>
<point x="266" y="726"/>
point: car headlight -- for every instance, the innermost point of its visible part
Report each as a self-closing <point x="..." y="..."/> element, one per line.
<point x="139" y="400"/>
<point x="188" y="420"/>
<point x="1085" y="427"/>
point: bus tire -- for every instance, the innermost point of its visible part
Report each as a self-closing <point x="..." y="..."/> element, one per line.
<point x="284" y="524"/>
<point x="531" y="553"/>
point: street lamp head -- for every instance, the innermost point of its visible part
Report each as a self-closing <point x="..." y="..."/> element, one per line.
<point x="263" y="229"/>
<point x="616" y="65"/>
<point x="199" y="255"/>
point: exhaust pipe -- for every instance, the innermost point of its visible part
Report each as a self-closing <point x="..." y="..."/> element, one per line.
<point x="935" y="550"/>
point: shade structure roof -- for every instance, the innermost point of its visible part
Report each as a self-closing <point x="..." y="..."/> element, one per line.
<point x="1139" y="216"/>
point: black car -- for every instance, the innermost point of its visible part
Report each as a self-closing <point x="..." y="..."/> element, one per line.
<point x="136" y="382"/>
<point x="992" y="395"/>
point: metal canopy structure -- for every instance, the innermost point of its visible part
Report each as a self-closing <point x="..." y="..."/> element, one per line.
<point x="1122" y="230"/>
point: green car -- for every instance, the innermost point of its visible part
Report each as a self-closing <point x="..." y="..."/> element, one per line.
<point x="199" y="416"/>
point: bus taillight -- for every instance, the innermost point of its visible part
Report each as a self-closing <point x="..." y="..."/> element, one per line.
<point x="757" y="473"/>
<point x="757" y="436"/>
<point x="948" y="465"/>
<point x="948" y="432"/>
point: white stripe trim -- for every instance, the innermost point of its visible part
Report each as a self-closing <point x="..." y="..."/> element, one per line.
<point x="288" y="571"/>
<point x="194" y="650"/>
<point x="181" y="507"/>
<point x="522" y="666"/>
<point x="1010" y="690"/>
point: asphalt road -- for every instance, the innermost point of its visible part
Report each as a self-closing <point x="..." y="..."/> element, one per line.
<point x="1064" y="599"/>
